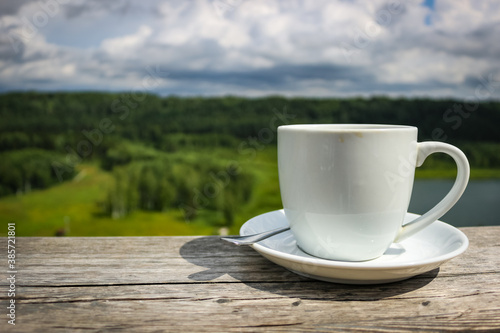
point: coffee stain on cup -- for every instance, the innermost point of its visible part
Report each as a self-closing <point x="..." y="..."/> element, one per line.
<point x="342" y="139"/>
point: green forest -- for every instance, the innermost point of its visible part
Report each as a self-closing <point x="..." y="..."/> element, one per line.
<point x="105" y="164"/>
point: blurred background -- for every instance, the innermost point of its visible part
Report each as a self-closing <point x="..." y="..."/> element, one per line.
<point x="159" y="117"/>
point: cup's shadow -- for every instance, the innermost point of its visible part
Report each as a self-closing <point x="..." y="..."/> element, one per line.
<point x="249" y="267"/>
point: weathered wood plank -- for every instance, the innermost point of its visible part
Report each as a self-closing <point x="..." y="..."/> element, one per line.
<point x="146" y="284"/>
<point x="95" y="261"/>
<point x="103" y="261"/>
<point x="424" y="286"/>
<point x="421" y="303"/>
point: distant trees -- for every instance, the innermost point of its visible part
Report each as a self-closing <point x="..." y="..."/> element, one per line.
<point x="482" y="155"/>
<point x="27" y="169"/>
<point x="53" y="120"/>
<point x="164" y="183"/>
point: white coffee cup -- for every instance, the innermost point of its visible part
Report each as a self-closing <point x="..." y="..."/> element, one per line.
<point x="346" y="188"/>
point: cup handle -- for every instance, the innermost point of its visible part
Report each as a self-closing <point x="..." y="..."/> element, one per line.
<point x="463" y="171"/>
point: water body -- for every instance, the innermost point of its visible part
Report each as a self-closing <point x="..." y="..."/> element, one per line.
<point x="477" y="206"/>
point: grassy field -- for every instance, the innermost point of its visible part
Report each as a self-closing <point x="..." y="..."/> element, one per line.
<point x="72" y="207"/>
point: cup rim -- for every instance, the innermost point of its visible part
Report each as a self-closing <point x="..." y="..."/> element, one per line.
<point x="345" y="127"/>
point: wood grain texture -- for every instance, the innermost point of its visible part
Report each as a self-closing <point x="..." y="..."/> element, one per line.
<point x="196" y="284"/>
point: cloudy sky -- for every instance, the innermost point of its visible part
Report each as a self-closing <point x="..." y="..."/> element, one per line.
<point x="441" y="48"/>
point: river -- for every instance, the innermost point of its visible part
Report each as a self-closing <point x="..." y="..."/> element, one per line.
<point x="476" y="207"/>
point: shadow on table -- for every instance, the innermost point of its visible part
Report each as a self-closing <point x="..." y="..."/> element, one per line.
<point x="247" y="266"/>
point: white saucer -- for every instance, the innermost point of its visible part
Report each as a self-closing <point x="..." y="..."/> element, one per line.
<point x="418" y="254"/>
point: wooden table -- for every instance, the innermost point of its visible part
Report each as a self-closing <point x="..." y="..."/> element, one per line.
<point x="190" y="284"/>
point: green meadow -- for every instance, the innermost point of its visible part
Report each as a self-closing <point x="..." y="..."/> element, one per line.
<point x="73" y="207"/>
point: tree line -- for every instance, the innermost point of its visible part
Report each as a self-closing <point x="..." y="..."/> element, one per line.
<point x="27" y="169"/>
<point x="167" y="183"/>
<point x="54" y="120"/>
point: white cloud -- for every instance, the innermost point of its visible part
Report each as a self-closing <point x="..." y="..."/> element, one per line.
<point x="254" y="47"/>
<point x="127" y="46"/>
